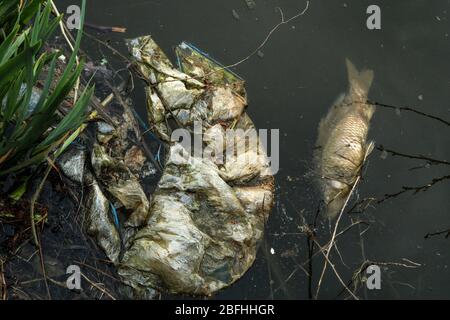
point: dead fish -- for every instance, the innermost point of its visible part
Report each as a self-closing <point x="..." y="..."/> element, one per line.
<point x="342" y="146"/>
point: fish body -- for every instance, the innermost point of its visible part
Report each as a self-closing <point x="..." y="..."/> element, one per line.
<point x="342" y="141"/>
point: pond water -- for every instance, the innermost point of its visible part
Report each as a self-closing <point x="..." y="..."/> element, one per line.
<point x="291" y="85"/>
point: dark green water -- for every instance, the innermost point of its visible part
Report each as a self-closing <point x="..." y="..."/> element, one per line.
<point x="290" y="88"/>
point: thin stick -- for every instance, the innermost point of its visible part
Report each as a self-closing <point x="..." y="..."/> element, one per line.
<point x="415" y="189"/>
<point x="309" y="232"/>
<point x="412" y="156"/>
<point x="363" y="255"/>
<point x="357" y="274"/>
<point x="97" y="270"/>
<point x="310" y="244"/>
<point x="282" y="22"/>
<point x="358" y="178"/>
<point x="3" y="283"/>
<point x="446" y="232"/>
<point x="105" y="28"/>
<point x="104" y="291"/>
<point x="328" y="250"/>
<point x="335" y="271"/>
<point x="410" y="109"/>
<point x="34" y="199"/>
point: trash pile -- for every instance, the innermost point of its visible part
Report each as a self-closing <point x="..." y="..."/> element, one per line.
<point x="198" y="232"/>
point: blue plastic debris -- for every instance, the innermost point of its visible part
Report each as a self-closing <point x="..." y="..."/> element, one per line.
<point x="115" y="215"/>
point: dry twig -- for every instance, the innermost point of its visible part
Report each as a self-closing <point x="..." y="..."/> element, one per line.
<point x="98" y="287"/>
<point x="282" y="22"/>
<point x="3" y="287"/>
<point x="415" y="189"/>
<point x="330" y="245"/>
<point x="327" y="260"/>
<point x="410" y="109"/>
<point x="433" y="234"/>
<point x="411" y="156"/>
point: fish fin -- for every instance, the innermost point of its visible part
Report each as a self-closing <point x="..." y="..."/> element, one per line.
<point x="335" y="206"/>
<point x="369" y="148"/>
<point x="322" y="133"/>
<point x="359" y="81"/>
<point x="328" y="123"/>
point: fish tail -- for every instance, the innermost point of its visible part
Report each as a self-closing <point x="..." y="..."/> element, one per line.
<point x="359" y="81"/>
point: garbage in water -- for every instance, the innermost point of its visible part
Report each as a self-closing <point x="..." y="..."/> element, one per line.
<point x="341" y="143"/>
<point x="206" y="218"/>
<point x="104" y="184"/>
<point x="198" y="231"/>
<point x="111" y="172"/>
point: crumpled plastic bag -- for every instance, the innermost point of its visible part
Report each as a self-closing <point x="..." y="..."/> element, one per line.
<point x="112" y="184"/>
<point x="201" y="230"/>
<point x="122" y="184"/>
<point x="100" y="224"/>
<point x="207" y="214"/>
<point x="199" y="237"/>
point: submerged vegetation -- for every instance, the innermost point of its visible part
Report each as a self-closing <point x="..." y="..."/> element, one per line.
<point x="31" y="87"/>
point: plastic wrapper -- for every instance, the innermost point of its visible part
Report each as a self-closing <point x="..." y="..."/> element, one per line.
<point x="201" y="230"/>
<point x="208" y="213"/>
<point x="122" y="184"/>
<point x="111" y="182"/>
<point x="100" y="224"/>
<point x="72" y="164"/>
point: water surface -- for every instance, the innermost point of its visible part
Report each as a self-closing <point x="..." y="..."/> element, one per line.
<point x="290" y="87"/>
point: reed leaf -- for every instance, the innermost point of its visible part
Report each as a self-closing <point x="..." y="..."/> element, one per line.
<point x="30" y="131"/>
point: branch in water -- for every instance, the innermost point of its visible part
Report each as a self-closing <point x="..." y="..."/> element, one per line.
<point x="410" y="109"/>
<point x="283" y="21"/>
<point x="446" y="232"/>
<point x="357" y="278"/>
<point x="360" y="206"/>
<point x="105" y="28"/>
<point x="418" y="157"/>
<point x="414" y="189"/>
